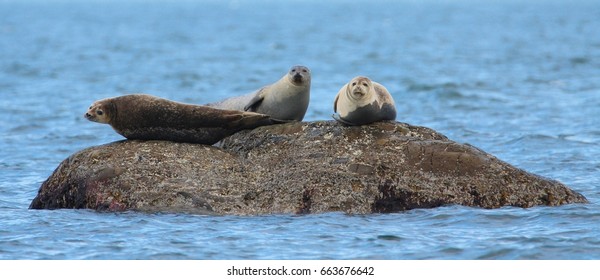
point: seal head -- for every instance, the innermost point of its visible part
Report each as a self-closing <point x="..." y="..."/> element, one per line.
<point x="299" y="75"/>
<point x="100" y="111"/>
<point x="358" y="88"/>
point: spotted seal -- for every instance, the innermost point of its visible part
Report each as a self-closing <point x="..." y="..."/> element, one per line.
<point x="362" y="101"/>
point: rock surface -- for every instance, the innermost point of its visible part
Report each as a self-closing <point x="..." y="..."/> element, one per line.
<point x="303" y="167"/>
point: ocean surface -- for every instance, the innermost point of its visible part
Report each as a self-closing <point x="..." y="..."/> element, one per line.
<point x="518" y="79"/>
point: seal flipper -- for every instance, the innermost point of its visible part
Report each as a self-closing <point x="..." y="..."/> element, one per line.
<point x="335" y="103"/>
<point x="280" y="121"/>
<point x="338" y="118"/>
<point x="245" y="120"/>
<point x="255" y="101"/>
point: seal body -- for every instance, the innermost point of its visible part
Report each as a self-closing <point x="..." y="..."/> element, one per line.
<point x="146" y="117"/>
<point x="286" y="99"/>
<point x="362" y="101"/>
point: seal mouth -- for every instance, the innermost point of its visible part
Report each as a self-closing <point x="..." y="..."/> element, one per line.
<point x="90" y="117"/>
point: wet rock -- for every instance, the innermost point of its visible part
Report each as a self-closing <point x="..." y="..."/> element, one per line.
<point x="303" y="167"/>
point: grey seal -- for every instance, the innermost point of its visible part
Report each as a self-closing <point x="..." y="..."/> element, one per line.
<point x="285" y="100"/>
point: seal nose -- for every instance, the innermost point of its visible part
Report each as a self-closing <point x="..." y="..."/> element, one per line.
<point x="87" y="115"/>
<point x="297" y="78"/>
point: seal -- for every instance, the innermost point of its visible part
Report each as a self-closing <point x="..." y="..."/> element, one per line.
<point x="147" y="117"/>
<point x="285" y="100"/>
<point x="362" y="101"/>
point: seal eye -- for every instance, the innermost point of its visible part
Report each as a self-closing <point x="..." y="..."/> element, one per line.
<point x="365" y="84"/>
<point x="304" y="70"/>
<point x="99" y="112"/>
<point x="354" y="83"/>
<point x="293" y="70"/>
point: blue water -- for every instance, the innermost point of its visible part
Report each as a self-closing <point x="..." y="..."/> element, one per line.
<point x="518" y="80"/>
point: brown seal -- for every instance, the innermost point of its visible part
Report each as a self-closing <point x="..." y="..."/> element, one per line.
<point x="146" y="117"/>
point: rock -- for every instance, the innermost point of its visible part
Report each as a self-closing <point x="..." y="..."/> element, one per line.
<point x="302" y="167"/>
